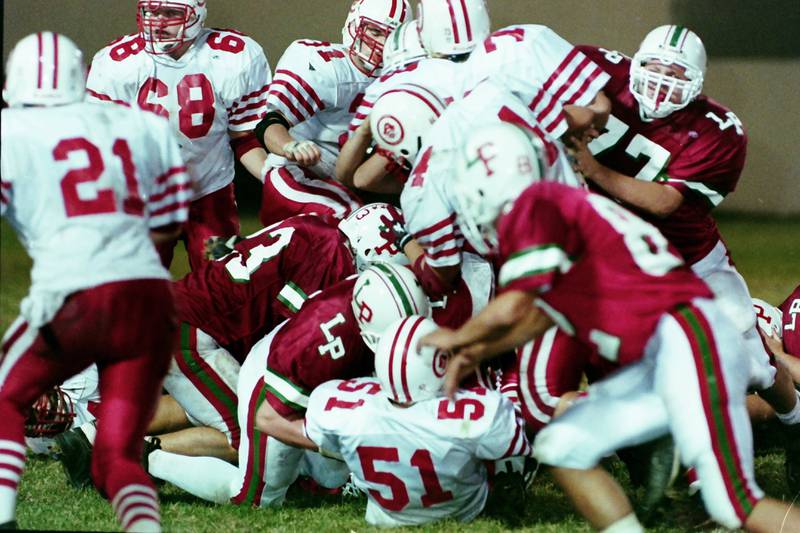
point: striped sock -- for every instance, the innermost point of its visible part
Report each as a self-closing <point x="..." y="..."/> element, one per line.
<point x="12" y="460"/>
<point x="792" y="417"/>
<point x="136" y="507"/>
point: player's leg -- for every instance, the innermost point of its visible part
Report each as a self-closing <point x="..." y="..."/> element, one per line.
<point x="136" y="352"/>
<point x="202" y="378"/>
<point x="591" y="429"/>
<point x="28" y="367"/>
<point x="290" y="190"/>
<point x="548" y="368"/>
<point x="213" y="215"/>
<point x="709" y="420"/>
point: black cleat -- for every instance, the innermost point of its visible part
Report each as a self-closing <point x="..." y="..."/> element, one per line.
<point x="792" y="463"/>
<point x="151" y="444"/>
<point x="662" y="466"/>
<point x="74" y="451"/>
<point x="9" y="526"/>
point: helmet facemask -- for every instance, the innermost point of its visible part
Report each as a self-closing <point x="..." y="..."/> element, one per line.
<point x="367" y="47"/>
<point x="156" y="20"/>
<point x="660" y="94"/>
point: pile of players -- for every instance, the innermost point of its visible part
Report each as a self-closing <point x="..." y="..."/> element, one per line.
<point x="479" y="306"/>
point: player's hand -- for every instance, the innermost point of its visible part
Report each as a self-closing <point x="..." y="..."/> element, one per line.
<point x="400" y="233"/>
<point x="304" y="153"/>
<point x="583" y="159"/>
<point x="364" y="129"/>
<point x="773" y="342"/>
<point x="458" y="367"/>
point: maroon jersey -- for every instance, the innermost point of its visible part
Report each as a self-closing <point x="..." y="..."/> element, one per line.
<point x="242" y="296"/>
<point x="699" y="150"/>
<point x="603" y="274"/>
<point x="322" y="342"/>
<point x="791" y="323"/>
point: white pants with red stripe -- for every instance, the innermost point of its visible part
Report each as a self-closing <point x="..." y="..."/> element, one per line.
<point x="692" y="383"/>
<point x="202" y="378"/>
<point x="293" y="190"/>
<point x="733" y="297"/>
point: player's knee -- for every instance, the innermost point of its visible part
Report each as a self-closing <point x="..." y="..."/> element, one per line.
<point x="565" y="446"/>
<point x="720" y="509"/>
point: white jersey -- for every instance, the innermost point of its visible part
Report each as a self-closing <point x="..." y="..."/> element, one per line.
<point x="317" y="89"/>
<point x="218" y="86"/>
<point x="428" y="200"/>
<point x="541" y="68"/>
<point x="416" y="464"/>
<point x="440" y="76"/>
<point x="82" y="184"/>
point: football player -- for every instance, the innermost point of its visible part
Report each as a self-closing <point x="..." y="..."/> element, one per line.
<point x="572" y="258"/>
<point x="211" y="84"/>
<point x="435" y="249"/>
<point x="112" y="183"/>
<point x="317" y="89"/>
<point x="405" y="62"/>
<point x="419" y="456"/>
<point x="330" y="337"/>
<point x="673" y="154"/>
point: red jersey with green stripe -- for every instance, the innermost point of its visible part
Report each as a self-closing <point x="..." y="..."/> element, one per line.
<point x="791" y="323"/>
<point x="699" y="150"/>
<point x="322" y="342"/>
<point x="602" y="274"/>
<point x="242" y="296"/>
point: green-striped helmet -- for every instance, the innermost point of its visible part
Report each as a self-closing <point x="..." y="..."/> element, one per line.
<point x="383" y="294"/>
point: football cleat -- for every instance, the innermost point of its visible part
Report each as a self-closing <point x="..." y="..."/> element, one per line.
<point x="661" y="466"/>
<point x="792" y="464"/>
<point x="74" y="452"/>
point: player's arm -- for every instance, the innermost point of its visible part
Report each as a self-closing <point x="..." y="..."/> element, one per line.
<point x="657" y="199"/>
<point x="164" y="235"/>
<point x="288" y="430"/>
<point x="508" y="321"/>
<point x="248" y="151"/>
<point x="790" y="361"/>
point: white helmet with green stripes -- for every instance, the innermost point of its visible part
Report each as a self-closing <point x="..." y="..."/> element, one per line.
<point x="402" y="47"/>
<point x="667" y="72"/>
<point x="383" y="294"/>
<point x="370" y="235"/>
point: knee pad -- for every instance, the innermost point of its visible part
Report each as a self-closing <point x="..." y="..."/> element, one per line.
<point x="565" y="446"/>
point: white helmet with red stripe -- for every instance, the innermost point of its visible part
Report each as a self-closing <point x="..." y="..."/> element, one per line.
<point x="165" y="25"/>
<point x="368" y="25"/>
<point x="402" y="116"/>
<point x="452" y="27"/>
<point x="402" y="47"/>
<point x="369" y="233"/>
<point x="660" y="94"/>
<point x="497" y="163"/>
<point x="45" y="68"/>
<point x="407" y="372"/>
<point x="382" y="294"/>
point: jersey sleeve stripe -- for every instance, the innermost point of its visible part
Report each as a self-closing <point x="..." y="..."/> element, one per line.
<point x="287" y="104"/>
<point x="285" y="390"/>
<point x="248" y="96"/>
<point x="593" y="83"/>
<point x="255" y="117"/>
<point x="443" y="253"/>
<point x="713" y="197"/>
<point x="105" y="97"/>
<point x="303" y="84"/>
<point x="249" y="107"/>
<point x="294" y="92"/>
<point x="172" y="189"/>
<point x="182" y="204"/>
<point x="511" y="447"/>
<point x="163" y="178"/>
<point x="534" y="261"/>
<point x="561" y="67"/>
<point x="435" y="227"/>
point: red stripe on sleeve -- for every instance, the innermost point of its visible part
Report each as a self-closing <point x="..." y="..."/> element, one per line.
<point x="304" y="85"/>
<point x="294" y="92"/>
<point x="560" y="68"/>
<point x="289" y="105"/>
<point x="106" y="98"/>
<point x="163" y="178"/>
<point x="170" y="208"/>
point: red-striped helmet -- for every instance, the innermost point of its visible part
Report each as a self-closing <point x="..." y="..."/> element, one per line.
<point x="167" y="24"/>
<point x="660" y="94"/>
<point x="382" y="294"/>
<point x="45" y="68"/>
<point x="370" y="235"/>
<point x="52" y="413"/>
<point x="408" y="372"/>
<point x="452" y="27"/>
<point x="402" y="116"/>
<point x="768" y="317"/>
<point x="368" y="25"/>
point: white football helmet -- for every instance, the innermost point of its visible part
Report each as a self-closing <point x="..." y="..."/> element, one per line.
<point x="369" y="233"/>
<point x="452" y="27"/>
<point x="407" y="372"/>
<point x="402" y="47"/>
<point x="384" y="15"/>
<point x="658" y="94"/>
<point x="768" y="317"/>
<point x="167" y="24"/>
<point x="382" y="294"/>
<point x="497" y="163"/>
<point x="46" y="69"/>
<point x="401" y="118"/>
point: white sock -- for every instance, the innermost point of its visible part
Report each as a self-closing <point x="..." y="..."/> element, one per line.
<point x="8" y="504"/>
<point x="793" y="416"/>
<point x="628" y="524"/>
<point x="208" y="478"/>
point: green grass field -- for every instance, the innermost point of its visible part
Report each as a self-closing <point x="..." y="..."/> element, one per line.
<point x="767" y="252"/>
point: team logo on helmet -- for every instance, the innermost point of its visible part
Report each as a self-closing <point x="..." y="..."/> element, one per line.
<point x="439" y="363"/>
<point x="391" y="130"/>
